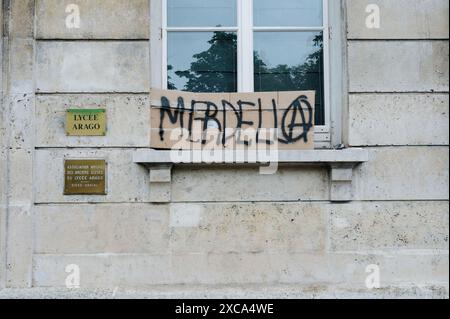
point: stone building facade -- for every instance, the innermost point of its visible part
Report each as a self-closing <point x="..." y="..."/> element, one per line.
<point x="313" y="229"/>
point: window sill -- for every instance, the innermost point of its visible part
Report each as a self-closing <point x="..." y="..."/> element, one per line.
<point x="340" y="163"/>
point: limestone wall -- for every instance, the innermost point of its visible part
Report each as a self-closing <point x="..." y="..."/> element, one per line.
<point x="224" y="225"/>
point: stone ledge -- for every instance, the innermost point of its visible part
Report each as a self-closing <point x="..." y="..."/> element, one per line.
<point x="323" y="290"/>
<point x="349" y="156"/>
<point x="340" y="162"/>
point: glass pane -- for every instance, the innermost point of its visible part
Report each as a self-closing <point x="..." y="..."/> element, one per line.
<point x="288" y="13"/>
<point x="201" y="13"/>
<point x="290" y="61"/>
<point x="202" y="61"/>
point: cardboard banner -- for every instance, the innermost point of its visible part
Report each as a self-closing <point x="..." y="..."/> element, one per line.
<point x="196" y="121"/>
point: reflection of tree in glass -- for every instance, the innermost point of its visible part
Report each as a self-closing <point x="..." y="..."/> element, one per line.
<point x="214" y="70"/>
<point x="305" y="76"/>
<point x="284" y="78"/>
<point x="170" y="84"/>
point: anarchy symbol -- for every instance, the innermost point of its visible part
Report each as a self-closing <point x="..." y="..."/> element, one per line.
<point x="295" y="110"/>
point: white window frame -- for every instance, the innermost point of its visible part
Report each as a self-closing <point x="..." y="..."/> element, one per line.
<point x="326" y="135"/>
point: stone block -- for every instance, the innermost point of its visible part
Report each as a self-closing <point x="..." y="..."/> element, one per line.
<point x="400" y="19"/>
<point x="398" y="119"/>
<point x="99" y="19"/>
<point x="92" y="66"/>
<point x="398" y="66"/>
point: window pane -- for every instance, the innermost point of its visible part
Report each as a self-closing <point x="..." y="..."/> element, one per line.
<point x="284" y="13"/>
<point x="201" y="13"/>
<point x="202" y="61"/>
<point x="290" y="61"/>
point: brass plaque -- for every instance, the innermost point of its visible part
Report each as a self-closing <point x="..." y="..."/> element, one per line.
<point x="86" y="122"/>
<point x="84" y="177"/>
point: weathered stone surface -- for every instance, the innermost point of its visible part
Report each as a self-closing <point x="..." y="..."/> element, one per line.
<point x="16" y="230"/>
<point x="19" y="246"/>
<point x="194" y="228"/>
<point x="246" y="184"/>
<point x="398" y="119"/>
<point x="396" y="269"/>
<point x="81" y="229"/>
<point x="405" y="173"/>
<point x="3" y="211"/>
<point x="272" y="291"/>
<point x="90" y="66"/>
<point x="19" y="120"/>
<point x="186" y="216"/>
<point x="160" y="192"/>
<point x="99" y="19"/>
<point x="398" y="66"/>
<point x="22" y="23"/>
<point x="107" y="270"/>
<point x="400" y="19"/>
<point x="389" y="225"/>
<point x="1" y="24"/>
<point x="3" y="165"/>
<point x="19" y="183"/>
<point x="103" y="270"/>
<point x="21" y="57"/>
<point x="143" y="270"/>
<point x="2" y="242"/>
<point x="244" y="227"/>
<point x="129" y="182"/>
<point x="3" y="169"/>
<point x="126" y="182"/>
<point x="127" y="116"/>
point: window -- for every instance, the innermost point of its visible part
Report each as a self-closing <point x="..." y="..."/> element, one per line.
<point x="246" y="46"/>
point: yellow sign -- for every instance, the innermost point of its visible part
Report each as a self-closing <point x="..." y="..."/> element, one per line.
<point x="85" y="177"/>
<point x="86" y="122"/>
